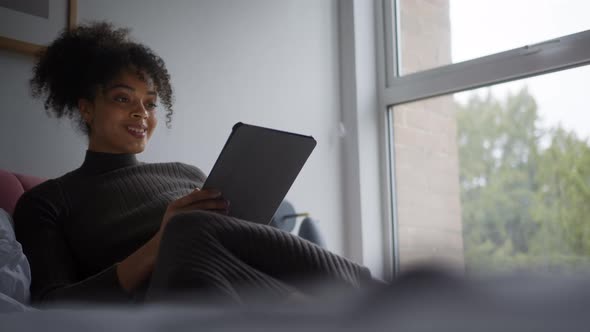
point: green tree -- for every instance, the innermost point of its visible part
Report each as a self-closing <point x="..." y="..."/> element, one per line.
<point x="525" y="190"/>
<point x="562" y="203"/>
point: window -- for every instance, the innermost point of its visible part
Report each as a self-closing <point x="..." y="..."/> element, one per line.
<point x="476" y="28"/>
<point x="490" y="152"/>
<point x="497" y="178"/>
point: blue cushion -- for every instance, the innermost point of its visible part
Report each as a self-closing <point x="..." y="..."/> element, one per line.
<point x="15" y="273"/>
<point x="310" y="231"/>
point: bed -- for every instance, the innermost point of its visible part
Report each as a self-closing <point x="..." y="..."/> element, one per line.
<point x="422" y="299"/>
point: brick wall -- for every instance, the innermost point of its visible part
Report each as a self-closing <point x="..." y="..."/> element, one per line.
<point x="427" y="169"/>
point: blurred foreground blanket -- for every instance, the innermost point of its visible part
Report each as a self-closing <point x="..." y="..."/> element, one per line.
<point x="417" y="301"/>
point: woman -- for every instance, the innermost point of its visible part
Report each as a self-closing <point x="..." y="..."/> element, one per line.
<point x="97" y="233"/>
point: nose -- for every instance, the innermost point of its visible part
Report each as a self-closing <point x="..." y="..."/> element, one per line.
<point x="139" y="115"/>
<point x="140" y="112"/>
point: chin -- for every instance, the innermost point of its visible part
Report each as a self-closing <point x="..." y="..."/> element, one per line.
<point x="132" y="148"/>
<point x="137" y="150"/>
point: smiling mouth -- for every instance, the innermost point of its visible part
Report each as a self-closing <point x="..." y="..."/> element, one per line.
<point x="137" y="132"/>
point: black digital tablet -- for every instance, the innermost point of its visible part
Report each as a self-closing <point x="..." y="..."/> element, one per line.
<point x="256" y="168"/>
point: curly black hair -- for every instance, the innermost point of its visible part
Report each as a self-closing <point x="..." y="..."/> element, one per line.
<point x="87" y="58"/>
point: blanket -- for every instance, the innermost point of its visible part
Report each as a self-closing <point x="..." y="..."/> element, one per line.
<point x="15" y="273"/>
<point x="231" y="260"/>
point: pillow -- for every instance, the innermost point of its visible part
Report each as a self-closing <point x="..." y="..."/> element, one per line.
<point x="15" y="273"/>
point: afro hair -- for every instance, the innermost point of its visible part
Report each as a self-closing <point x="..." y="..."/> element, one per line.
<point x="82" y="60"/>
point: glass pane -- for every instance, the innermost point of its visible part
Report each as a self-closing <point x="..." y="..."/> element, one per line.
<point x="441" y="32"/>
<point x="497" y="179"/>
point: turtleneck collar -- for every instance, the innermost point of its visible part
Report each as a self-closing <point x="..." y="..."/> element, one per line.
<point x="102" y="162"/>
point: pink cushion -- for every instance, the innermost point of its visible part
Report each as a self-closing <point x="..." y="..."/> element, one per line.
<point x="12" y="186"/>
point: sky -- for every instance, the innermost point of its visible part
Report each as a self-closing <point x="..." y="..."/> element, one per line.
<point x="484" y="27"/>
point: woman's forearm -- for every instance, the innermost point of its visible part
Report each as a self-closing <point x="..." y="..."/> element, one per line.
<point x="136" y="268"/>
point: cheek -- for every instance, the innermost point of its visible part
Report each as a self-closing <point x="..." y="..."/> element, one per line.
<point x="102" y="122"/>
<point x="152" y="122"/>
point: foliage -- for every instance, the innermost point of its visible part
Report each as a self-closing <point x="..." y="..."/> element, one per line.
<point x="525" y="190"/>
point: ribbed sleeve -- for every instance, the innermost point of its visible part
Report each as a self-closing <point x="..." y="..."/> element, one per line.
<point x="76" y="228"/>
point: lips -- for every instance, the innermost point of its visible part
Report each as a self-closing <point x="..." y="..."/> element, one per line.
<point x="137" y="131"/>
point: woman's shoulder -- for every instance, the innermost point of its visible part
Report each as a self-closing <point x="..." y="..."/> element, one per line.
<point x="46" y="196"/>
<point x="49" y="190"/>
<point x="45" y="188"/>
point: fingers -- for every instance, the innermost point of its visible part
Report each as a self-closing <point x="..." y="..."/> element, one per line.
<point x="210" y="204"/>
<point x="196" y="196"/>
<point x="219" y="205"/>
<point x="209" y="200"/>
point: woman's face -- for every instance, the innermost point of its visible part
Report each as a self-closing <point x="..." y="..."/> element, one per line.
<point x="122" y="117"/>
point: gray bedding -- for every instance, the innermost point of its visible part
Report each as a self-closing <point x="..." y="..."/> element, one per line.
<point x="15" y="274"/>
<point x="418" y="301"/>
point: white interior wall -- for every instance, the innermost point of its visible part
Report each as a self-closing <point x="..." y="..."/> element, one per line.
<point x="266" y="62"/>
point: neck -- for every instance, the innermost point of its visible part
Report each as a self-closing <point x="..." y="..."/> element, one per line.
<point x="102" y="162"/>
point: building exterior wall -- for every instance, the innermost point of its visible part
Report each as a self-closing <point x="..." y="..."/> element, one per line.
<point x="426" y="154"/>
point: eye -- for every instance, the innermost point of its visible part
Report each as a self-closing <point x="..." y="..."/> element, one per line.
<point x="151" y="106"/>
<point x="121" y="99"/>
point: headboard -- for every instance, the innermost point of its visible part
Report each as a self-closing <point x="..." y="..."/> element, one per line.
<point x="12" y="186"/>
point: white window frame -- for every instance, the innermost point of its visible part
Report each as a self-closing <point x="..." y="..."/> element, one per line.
<point x="393" y="89"/>
<point x="367" y="212"/>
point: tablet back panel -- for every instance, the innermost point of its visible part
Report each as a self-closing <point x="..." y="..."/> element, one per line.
<point x="256" y="169"/>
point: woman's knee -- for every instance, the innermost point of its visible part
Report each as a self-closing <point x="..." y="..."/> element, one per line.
<point x="192" y="221"/>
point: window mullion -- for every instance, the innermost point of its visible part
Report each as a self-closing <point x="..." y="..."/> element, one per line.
<point x="557" y="54"/>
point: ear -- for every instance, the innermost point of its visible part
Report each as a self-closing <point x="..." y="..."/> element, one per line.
<point x="86" y="110"/>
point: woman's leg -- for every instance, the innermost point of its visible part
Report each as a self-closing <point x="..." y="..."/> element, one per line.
<point x="225" y="258"/>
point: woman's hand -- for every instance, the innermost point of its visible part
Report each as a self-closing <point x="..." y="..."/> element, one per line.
<point x="209" y="200"/>
<point x="139" y="265"/>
